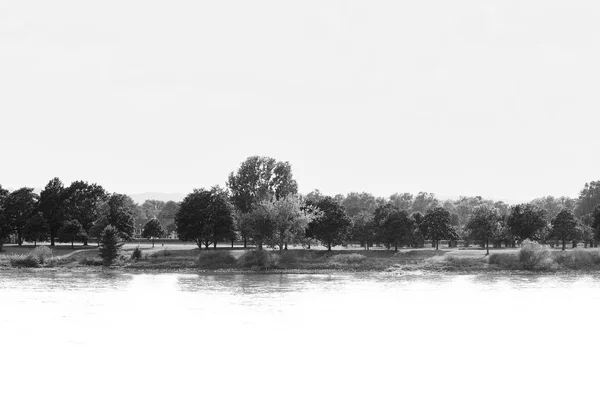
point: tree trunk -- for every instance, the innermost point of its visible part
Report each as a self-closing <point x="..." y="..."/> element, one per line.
<point x="19" y="239"/>
<point x="564" y="242"/>
<point x="245" y="242"/>
<point x="574" y="243"/>
<point x="215" y="244"/>
<point x="153" y="243"/>
<point x="72" y="244"/>
<point x="260" y="246"/>
<point x="396" y="247"/>
<point x="285" y="247"/>
<point x="437" y="242"/>
<point x="487" y="247"/>
<point x="232" y="243"/>
<point x="51" y="239"/>
<point x="85" y="242"/>
<point x="309" y="245"/>
<point x="329" y="246"/>
<point x="35" y="243"/>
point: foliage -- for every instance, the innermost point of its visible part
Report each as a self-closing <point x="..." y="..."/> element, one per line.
<point x="71" y="231"/>
<point x="5" y="227"/>
<point x="258" y="260"/>
<point x="290" y="220"/>
<point x="392" y="226"/>
<point x="109" y="244"/>
<point x="151" y="208"/>
<point x="36" y="229"/>
<point x="153" y="229"/>
<point x="19" y="206"/>
<point x="424" y="201"/>
<point x="205" y="216"/>
<point x="553" y="205"/>
<point x="533" y="255"/>
<point x="363" y="228"/>
<point x="136" y="254"/>
<point x="42" y="254"/>
<point x="356" y="203"/>
<point x="215" y="260"/>
<point x="83" y="204"/>
<point x="484" y="223"/>
<point x="578" y="259"/>
<point x="347" y="259"/>
<point x="589" y="199"/>
<point x="261" y="222"/>
<point x="333" y="226"/>
<point x="437" y="226"/>
<point x="526" y="221"/>
<point x="52" y="205"/>
<point x="25" y="260"/>
<point x="564" y="226"/>
<point x="402" y="201"/>
<point x="116" y="211"/>
<point x="596" y="222"/>
<point x="504" y="260"/>
<point x="260" y="178"/>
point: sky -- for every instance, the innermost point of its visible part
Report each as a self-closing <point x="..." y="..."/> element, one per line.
<point x="479" y="97"/>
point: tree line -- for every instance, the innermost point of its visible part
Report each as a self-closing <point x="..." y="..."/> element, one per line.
<point x="260" y="204"/>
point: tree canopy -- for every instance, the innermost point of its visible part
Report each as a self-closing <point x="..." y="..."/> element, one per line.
<point x="333" y="226"/>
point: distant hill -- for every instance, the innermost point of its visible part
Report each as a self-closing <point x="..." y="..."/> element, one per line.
<point x="140" y="198"/>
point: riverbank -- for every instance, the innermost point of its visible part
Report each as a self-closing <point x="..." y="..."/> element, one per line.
<point x="537" y="259"/>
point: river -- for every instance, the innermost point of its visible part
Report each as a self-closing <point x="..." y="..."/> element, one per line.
<point x="118" y="335"/>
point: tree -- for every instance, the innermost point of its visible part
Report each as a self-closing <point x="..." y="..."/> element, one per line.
<point x="71" y="231"/>
<point x="290" y="221"/>
<point x="205" y="216"/>
<point x="333" y="226"/>
<point x="151" y="208"/>
<point x="423" y="202"/>
<point x="402" y="201"/>
<point x="363" y="229"/>
<point x="564" y="227"/>
<point x="83" y="204"/>
<point x="152" y="230"/>
<point x="5" y="228"/>
<point x="588" y="199"/>
<point x="36" y="229"/>
<point x="553" y="205"/>
<point x="110" y="244"/>
<point x="19" y="206"/>
<point x="393" y="226"/>
<point x="484" y="224"/>
<point x="596" y="222"/>
<point x="526" y="221"/>
<point x="261" y="223"/>
<point x="437" y="225"/>
<point x="166" y="216"/>
<point x="52" y="204"/>
<point x="356" y="203"/>
<point x="116" y="212"/>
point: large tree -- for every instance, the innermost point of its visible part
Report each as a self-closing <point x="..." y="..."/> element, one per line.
<point x="116" y="211"/>
<point x="71" y="231"/>
<point x="19" y="206"/>
<point x="437" y="225"/>
<point x="588" y="199"/>
<point x="151" y="208"/>
<point x="484" y="224"/>
<point x="53" y="206"/>
<point x="257" y="179"/>
<point x="82" y="203"/>
<point x="564" y="227"/>
<point x="393" y="226"/>
<point x="36" y="229"/>
<point x="526" y="221"/>
<point x="423" y="202"/>
<point x="333" y="226"/>
<point x="290" y="220"/>
<point x="596" y="222"/>
<point x="153" y="229"/>
<point x="363" y="229"/>
<point x="5" y="228"/>
<point x="402" y="201"/>
<point x="204" y="217"/>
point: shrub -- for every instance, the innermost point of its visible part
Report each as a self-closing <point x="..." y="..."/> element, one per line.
<point x="166" y="252"/>
<point x="258" y="259"/>
<point x="27" y="260"/>
<point x="504" y="260"/>
<point x="533" y="255"/>
<point x="91" y="262"/>
<point x="461" y="261"/>
<point x="42" y="254"/>
<point x="348" y="259"/>
<point x="215" y="259"/>
<point x="578" y="259"/>
<point x="136" y="254"/>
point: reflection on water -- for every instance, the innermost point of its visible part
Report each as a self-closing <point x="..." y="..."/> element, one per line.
<point x="254" y="335"/>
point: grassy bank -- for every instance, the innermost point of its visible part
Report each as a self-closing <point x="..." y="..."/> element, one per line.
<point x="531" y="257"/>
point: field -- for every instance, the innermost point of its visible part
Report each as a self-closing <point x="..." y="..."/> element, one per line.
<point x="188" y="256"/>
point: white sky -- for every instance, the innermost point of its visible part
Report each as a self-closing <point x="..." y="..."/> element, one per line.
<point x="493" y="98"/>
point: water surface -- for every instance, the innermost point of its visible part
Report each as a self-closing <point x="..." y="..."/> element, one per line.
<point x="75" y="334"/>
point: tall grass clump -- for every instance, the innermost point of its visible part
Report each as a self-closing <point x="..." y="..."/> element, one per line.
<point x="258" y="260"/>
<point x="504" y="260"/>
<point x="26" y="260"/>
<point x="42" y="254"/>
<point x="578" y="259"/>
<point x="136" y="254"/>
<point x="347" y="260"/>
<point x="215" y="260"/>
<point x="534" y="256"/>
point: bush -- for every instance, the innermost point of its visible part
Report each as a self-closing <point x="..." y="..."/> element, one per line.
<point x="27" y="260"/>
<point x="215" y="260"/>
<point x="136" y="254"/>
<point x="258" y="259"/>
<point x="42" y="254"/>
<point x="348" y="259"/>
<point x="578" y="259"/>
<point x="91" y="262"/>
<point x="504" y="260"/>
<point x="534" y="256"/>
